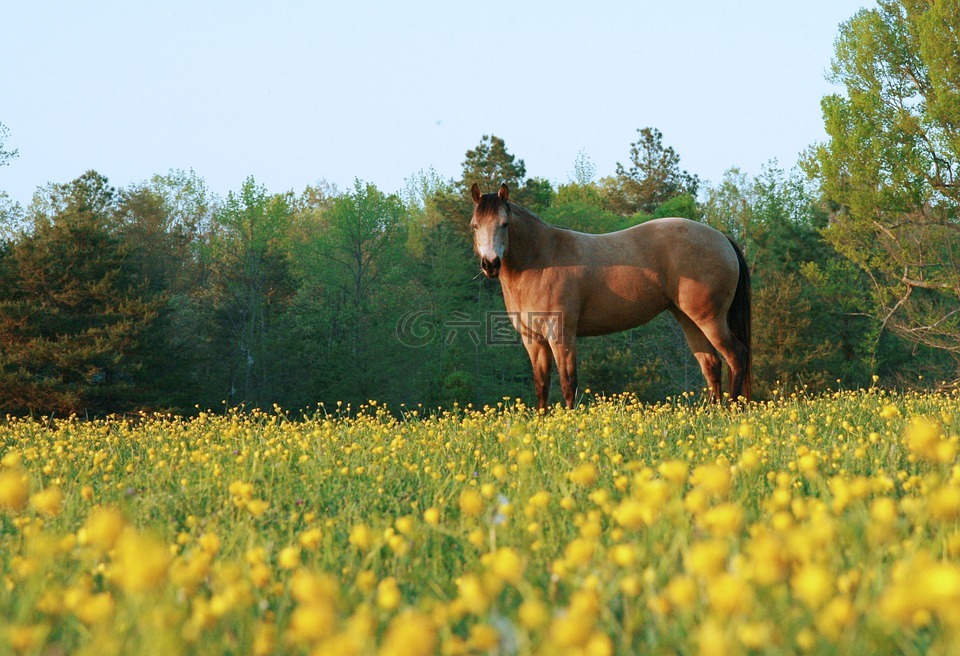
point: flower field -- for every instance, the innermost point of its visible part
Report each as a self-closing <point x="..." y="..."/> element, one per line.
<point x="822" y="526"/>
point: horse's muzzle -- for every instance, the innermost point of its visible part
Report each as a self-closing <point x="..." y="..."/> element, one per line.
<point x="490" y="267"/>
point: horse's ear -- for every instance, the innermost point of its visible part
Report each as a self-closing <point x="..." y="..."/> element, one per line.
<point x="504" y="193"/>
<point x="475" y="192"/>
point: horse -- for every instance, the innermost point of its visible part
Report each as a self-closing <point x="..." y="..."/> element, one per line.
<point x="559" y="284"/>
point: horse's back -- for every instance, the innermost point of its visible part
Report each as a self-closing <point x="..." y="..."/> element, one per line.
<point x="638" y="272"/>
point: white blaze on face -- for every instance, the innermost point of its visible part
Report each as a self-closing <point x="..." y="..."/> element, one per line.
<point x="491" y="238"/>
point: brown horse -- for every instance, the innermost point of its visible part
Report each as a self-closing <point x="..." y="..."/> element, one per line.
<point x="559" y="284"/>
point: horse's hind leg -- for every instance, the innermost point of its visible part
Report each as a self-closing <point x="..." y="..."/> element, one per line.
<point x="703" y="351"/>
<point x="735" y="353"/>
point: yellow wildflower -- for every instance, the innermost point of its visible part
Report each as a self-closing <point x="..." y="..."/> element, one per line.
<point x="14" y="490"/>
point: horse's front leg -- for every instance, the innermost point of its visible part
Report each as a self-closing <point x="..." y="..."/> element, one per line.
<point x="540" y="359"/>
<point x="565" y="353"/>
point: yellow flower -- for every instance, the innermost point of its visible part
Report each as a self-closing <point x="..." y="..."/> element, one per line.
<point x="257" y="507"/>
<point x="807" y="464"/>
<point x="471" y="502"/>
<point x="749" y="460"/>
<point x="388" y="594"/>
<point x="241" y="490"/>
<point x="945" y="503"/>
<point x="767" y="562"/>
<point x="209" y="542"/>
<point x="103" y="527"/>
<point x="507" y="565"/>
<point x="142" y="561"/>
<point x="624" y="555"/>
<point x="95" y="609"/>
<point x="48" y="501"/>
<point x="27" y="637"/>
<point x="14" y="490"/>
<point x="585" y="474"/>
<point x="406" y="525"/>
<point x="674" y="471"/>
<point x="477" y="538"/>
<point x="289" y="557"/>
<point x="836" y="615"/>
<point x="533" y="614"/>
<point x="924" y="437"/>
<point x="310" y="539"/>
<point x="729" y="594"/>
<point x="312" y="622"/>
<point x="366" y="581"/>
<point x="713" y="479"/>
<point x="264" y="639"/>
<point x="723" y="520"/>
<point x="579" y="552"/>
<point x="712" y="639"/>
<point x="889" y="411"/>
<point x="707" y="558"/>
<point x="431" y="516"/>
<point x="681" y="591"/>
<point x="483" y="638"/>
<point x="472" y="594"/>
<point x="361" y="537"/>
<point x="410" y="633"/>
<point x="813" y="585"/>
<point x="632" y="514"/>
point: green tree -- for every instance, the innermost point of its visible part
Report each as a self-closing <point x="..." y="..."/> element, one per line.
<point x="160" y="225"/>
<point x="581" y="207"/>
<point x="358" y="281"/>
<point x="5" y="155"/>
<point x="76" y="317"/>
<point x="890" y="168"/>
<point x="652" y="178"/>
<point x="490" y="165"/>
<point x="252" y="285"/>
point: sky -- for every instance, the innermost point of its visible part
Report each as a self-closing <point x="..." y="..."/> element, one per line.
<point x="293" y="92"/>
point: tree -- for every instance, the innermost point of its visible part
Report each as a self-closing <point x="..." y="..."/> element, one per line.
<point x="653" y="177"/>
<point x="814" y="327"/>
<point x="75" y="316"/>
<point x="890" y="168"/>
<point x="490" y="165"/>
<point x="160" y="226"/>
<point x="252" y="286"/>
<point x="5" y="155"/>
<point x="359" y="284"/>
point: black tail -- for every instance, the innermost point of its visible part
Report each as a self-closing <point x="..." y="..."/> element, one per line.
<point x="738" y="316"/>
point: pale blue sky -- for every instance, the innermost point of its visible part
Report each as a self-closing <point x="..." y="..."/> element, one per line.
<point x="293" y="92"/>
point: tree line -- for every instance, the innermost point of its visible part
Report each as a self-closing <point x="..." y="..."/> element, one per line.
<point x="163" y="296"/>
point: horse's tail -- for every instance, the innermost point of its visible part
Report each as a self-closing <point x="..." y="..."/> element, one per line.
<point x="738" y="316"/>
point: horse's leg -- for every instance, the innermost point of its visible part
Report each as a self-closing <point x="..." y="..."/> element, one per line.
<point x="565" y="353"/>
<point x="540" y="359"/>
<point x="719" y="333"/>
<point x="703" y="351"/>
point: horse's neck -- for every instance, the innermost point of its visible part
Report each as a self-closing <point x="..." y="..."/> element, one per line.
<point x="530" y="241"/>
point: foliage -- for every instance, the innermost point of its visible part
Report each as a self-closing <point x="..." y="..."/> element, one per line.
<point x="6" y="155"/>
<point x="889" y="167"/>
<point x="490" y="165"/>
<point x="349" y="295"/>
<point x="75" y="313"/>
<point x="652" y="178"/>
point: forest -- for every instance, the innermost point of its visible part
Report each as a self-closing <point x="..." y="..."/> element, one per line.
<point x="163" y="296"/>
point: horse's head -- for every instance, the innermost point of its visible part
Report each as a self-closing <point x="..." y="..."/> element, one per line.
<point x="491" y="215"/>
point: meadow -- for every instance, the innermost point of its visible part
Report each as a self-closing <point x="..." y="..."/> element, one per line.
<point x="827" y="525"/>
